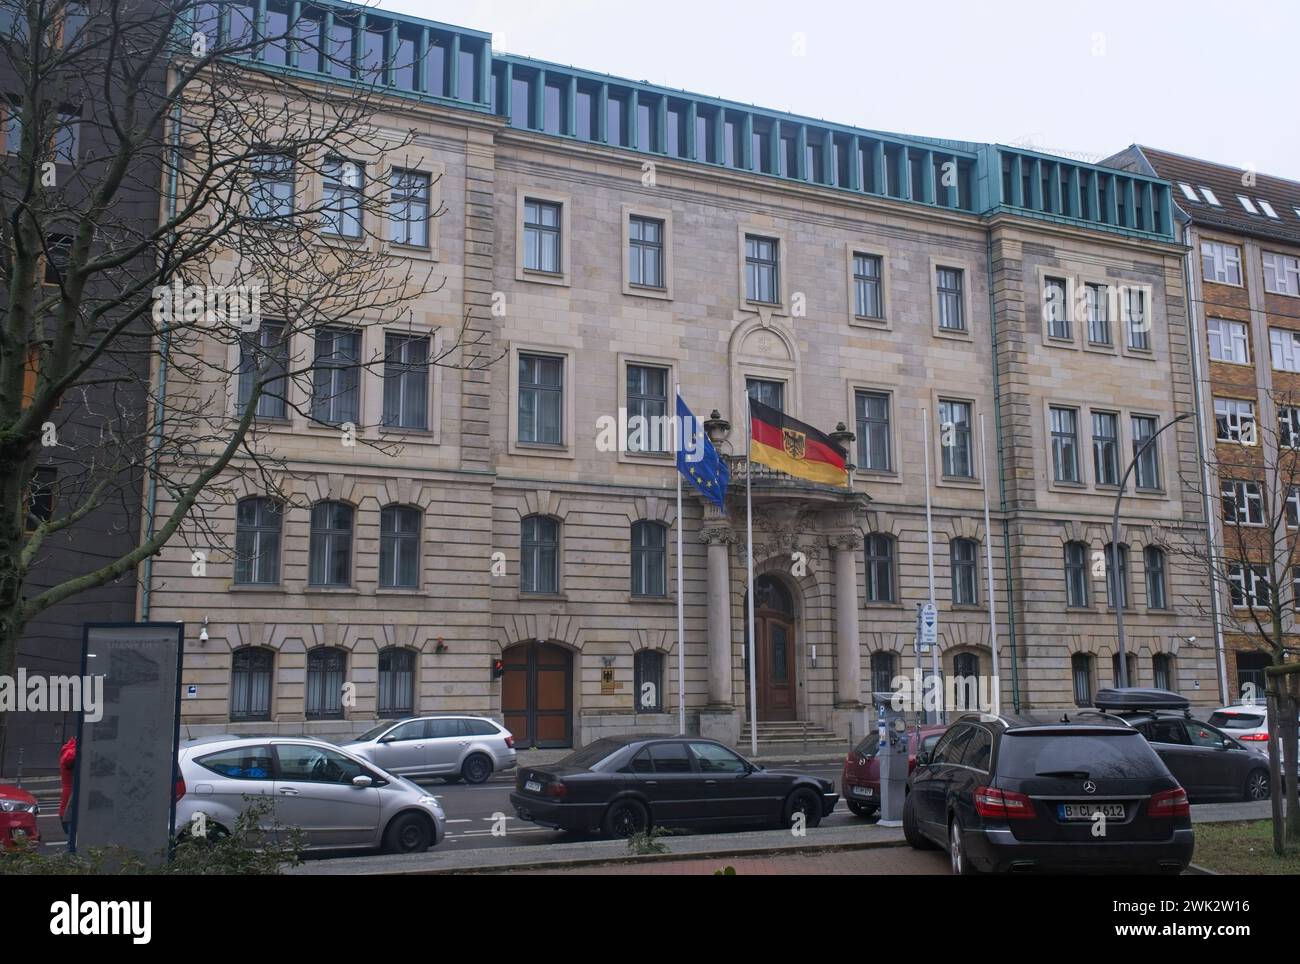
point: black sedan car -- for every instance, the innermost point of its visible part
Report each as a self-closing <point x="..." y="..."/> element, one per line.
<point x="625" y="785"/>
<point x="1018" y="794"/>
<point x="1209" y="764"/>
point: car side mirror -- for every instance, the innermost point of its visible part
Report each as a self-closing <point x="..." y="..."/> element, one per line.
<point x="362" y="781"/>
<point x="922" y="759"/>
<point x="387" y="738"/>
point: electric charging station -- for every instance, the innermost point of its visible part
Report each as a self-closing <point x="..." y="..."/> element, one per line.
<point x="893" y="757"/>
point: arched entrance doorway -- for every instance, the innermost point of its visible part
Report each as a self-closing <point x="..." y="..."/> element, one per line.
<point x="537" y="694"/>
<point x="774" y="634"/>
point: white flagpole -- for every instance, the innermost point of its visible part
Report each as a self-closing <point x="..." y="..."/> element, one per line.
<point x="929" y="543"/>
<point x="749" y="577"/>
<point x="988" y="568"/>
<point x="681" y="586"/>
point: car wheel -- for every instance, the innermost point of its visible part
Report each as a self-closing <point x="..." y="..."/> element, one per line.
<point x="961" y="865"/>
<point x="911" y="833"/>
<point x="1257" y="785"/>
<point x="409" y="833"/>
<point x="804" y="801"/>
<point x="476" y="769"/>
<point x="861" y="809"/>
<point x="625" y="818"/>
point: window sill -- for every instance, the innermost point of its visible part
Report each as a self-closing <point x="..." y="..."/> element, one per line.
<point x="865" y="321"/>
<point x="873" y="604"/>
<point x="333" y="590"/>
<point x="957" y="334"/>
<point x="652" y="600"/>
<point x="541" y="596"/>
<point x="543" y="277"/>
<point x="647" y="291"/>
<point x="1069" y="486"/>
<point x="777" y="307"/>
<point x="1061" y="342"/>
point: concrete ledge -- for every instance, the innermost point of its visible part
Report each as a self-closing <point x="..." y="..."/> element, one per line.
<point x="592" y="852"/>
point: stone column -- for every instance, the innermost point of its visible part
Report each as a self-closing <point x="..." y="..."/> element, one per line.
<point x="848" y="648"/>
<point x="717" y="539"/>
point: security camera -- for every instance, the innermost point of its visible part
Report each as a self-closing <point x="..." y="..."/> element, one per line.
<point x="203" y="633"/>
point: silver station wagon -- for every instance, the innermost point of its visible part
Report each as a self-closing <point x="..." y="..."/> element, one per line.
<point x="469" y="748"/>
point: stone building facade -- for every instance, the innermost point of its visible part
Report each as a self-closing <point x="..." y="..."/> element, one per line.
<point x="619" y="239"/>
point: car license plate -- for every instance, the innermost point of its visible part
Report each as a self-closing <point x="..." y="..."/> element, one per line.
<point x="1085" y="811"/>
<point x="532" y="786"/>
<point x="863" y="792"/>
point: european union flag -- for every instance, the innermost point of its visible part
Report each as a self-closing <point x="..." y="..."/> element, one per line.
<point x="698" y="460"/>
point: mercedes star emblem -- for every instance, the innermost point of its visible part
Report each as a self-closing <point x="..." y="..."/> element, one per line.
<point x="1089" y="786"/>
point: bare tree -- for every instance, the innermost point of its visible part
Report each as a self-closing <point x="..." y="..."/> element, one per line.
<point x="1255" y="565"/>
<point x="157" y="212"/>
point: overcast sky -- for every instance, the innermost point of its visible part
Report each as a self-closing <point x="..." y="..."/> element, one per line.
<point x="1211" y="79"/>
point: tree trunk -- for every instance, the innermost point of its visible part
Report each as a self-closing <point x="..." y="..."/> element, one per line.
<point x="1287" y="735"/>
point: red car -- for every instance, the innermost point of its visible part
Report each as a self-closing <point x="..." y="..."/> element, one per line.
<point x="18" y="810"/>
<point x="860" y="781"/>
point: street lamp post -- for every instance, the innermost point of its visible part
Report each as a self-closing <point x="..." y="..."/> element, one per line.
<point x="1119" y="591"/>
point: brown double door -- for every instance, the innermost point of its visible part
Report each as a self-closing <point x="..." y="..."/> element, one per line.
<point x="774" y="636"/>
<point x="537" y="694"/>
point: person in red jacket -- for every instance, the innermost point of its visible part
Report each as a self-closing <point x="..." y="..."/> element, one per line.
<point x="67" y="763"/>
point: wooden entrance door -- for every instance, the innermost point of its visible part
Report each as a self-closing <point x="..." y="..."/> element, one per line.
<point x="537" y="694"/>
<point x="774" y="636"/>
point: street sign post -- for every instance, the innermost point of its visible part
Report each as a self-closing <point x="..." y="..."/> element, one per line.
<point x="927" y="626"/>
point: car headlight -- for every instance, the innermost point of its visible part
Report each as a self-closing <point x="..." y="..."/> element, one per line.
<point x="17" y="806"/>
<point x="428" y="801"/>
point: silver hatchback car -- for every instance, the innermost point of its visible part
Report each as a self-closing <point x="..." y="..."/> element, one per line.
<point x="471" y="748"/>
<point x="337" y="800"/>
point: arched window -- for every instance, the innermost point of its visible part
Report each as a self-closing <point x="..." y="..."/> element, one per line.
<point x="1130" y="664"/>
<point x="258" y="525"/>
<point x="399" y="547"/>
<point x="330" y="556"/>
<point x="966" y="665"/>
<point x="396" y="682"/>
<point x="1123" y="576"/>
<point x="250" y="684"/>
<point x="1076" y="575"/>
<point x="1081" y="674"/>
<point x="539" y="554"/>
<point x="1153" y="560"/>
<point x="325" y="669"/>
<point x="649" y="673"/>
<point x="880" y="568"/>
<point x="965" y="582"/>
<point x="649" y="559"/>
<point x="884" y="667"/>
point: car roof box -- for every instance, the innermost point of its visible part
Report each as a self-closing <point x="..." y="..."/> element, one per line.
<point x="1140" y="698"/>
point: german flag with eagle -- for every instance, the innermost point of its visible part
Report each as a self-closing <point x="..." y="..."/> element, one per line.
<point x="788" y="445"/>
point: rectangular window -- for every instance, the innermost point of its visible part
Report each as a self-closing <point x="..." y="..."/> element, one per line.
<point x="408" y="209"/>
<point x="1055" y="312"/>
<point x="1243" y="502"/>
<point x="1105" y="448"/>
<point x="880" y="568"/>
<point x="1110" y="576"/>
<point x="406" y="381"/>
<point x="1136" y="322"/>
<point x="264" y="348"/>
<point x="1281" y="274"/>
<point x="270" y="194"/>
<point x="867" y="286"/>
<point x="965" y="584"/>
<point x="874" y="444"/>
<point x="336" y="385"/>
<point x="952" y="309"/>
<point x="1098" y="307"/>
<point x="767" y="392"/>
<point x="1288" y="426"/>
<point x="1221" y="262"/>
<point x="1065" y="444"/>
<point x="1248" y="586"/>
<point x="1154" y="558"/>
<point x="342" y="194"/>
<point x="541" y="399"/>
<point x="1228" y="341"/>
<point x="954" y="438"/>
<point x="1292" y="507"/>
<point x="541" y="236"/>
<point x="1076" y="575"/>
<point x="645" y="253"/>
<point x="762" y="281"/>
<point x="1147" y="469"/>
<point x="1285" y="346"/>
<point x="647" y="401"/>
<point x="1234" y="421"/>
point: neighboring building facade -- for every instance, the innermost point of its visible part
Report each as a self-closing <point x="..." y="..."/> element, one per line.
<point x="1243" y="231"/>
<point x="619" y="239"/>
<point x="108" y="402"/>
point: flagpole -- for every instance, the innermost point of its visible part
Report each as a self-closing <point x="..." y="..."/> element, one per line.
<point x="749" y="578"/>
<point x="988" y="569"/>
<point x="681" y="586"/>
<point x="929" y="543"/>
